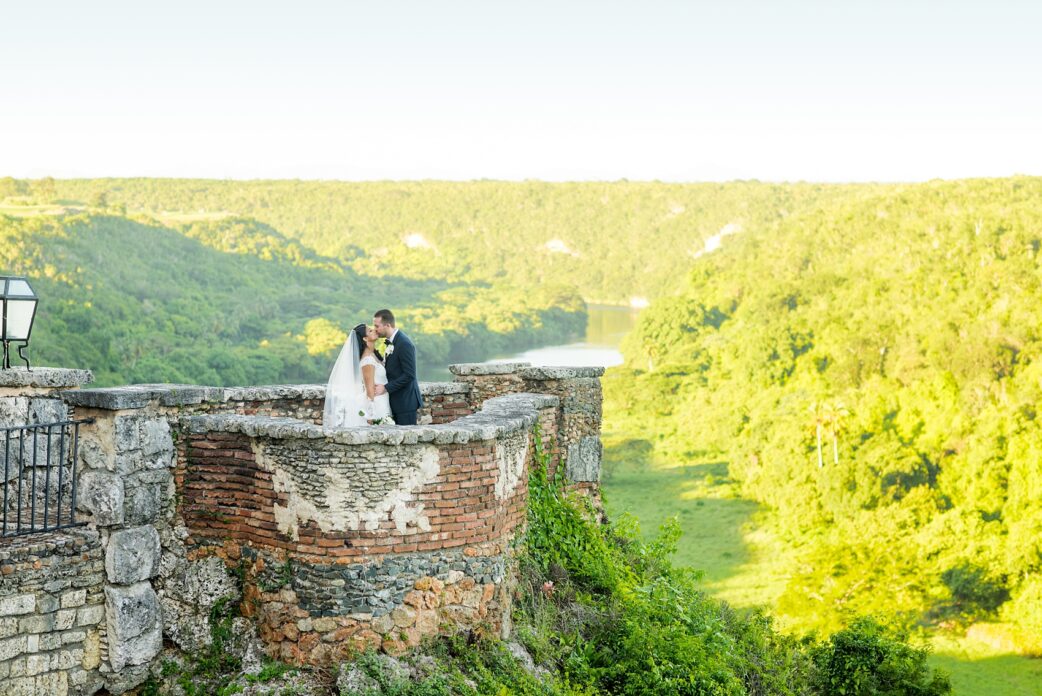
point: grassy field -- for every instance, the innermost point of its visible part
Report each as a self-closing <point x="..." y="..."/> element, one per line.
<point x="742" y="565"/>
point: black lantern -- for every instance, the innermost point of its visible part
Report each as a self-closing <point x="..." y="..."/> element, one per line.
<point x="19" y="310"/>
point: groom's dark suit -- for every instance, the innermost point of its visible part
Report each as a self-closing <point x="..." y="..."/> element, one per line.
<point x="403" y="388"/>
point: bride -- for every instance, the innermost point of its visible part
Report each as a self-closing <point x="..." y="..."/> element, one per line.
<point x="351" y="398"/>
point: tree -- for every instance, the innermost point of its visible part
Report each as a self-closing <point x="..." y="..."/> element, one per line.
<point x="833" y="420"/>
<point x="44" y="190"/>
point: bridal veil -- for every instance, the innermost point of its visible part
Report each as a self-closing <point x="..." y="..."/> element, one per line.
<point x="345" y="398"/>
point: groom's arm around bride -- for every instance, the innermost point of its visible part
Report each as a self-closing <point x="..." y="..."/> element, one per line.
<point x="403" y="387"/>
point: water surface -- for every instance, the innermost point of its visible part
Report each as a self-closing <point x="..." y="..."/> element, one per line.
<point x="605" y="327"/>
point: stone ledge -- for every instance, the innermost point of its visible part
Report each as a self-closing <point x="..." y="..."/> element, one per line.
<point x="274" y="392"/>
<point x="481" y="369"/>
<point x="141" y="395"/>
<point x="441" y="388"/>
<point x="549" y="373"/>
<point x="499" y="416"/>
<point x="57" y="377"/>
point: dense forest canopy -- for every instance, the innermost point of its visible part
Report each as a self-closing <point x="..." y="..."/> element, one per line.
<point x="870" y="369"/>
<point x="230" y="282"/>
<point x="628" y="238"/>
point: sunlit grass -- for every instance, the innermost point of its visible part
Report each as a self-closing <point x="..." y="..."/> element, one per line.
<point x="977" y="669"/>
<point x="744" y="566"/>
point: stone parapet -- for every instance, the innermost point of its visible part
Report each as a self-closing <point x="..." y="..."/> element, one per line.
<point x="444" y="401"/>
<point x="502" y="416"/>
<point x="48" y="378"/>
<point x="579" y="416"/>
<point x="331" y="538"/>
<point x="372" y="536"/>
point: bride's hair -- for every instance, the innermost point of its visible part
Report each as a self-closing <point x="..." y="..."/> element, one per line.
<point x="360" y="331"/>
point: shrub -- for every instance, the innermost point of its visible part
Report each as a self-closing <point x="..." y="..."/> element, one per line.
<point x="867" y="658"/>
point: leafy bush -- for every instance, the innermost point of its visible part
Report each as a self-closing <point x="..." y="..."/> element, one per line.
<point x="867" y="659"/>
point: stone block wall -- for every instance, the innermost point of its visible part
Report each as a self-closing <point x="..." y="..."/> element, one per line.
<point x="578" y="428"/>
<point x="330" y="538"/>
<point x="51" y="583"/>
<point x="51" y="613"/>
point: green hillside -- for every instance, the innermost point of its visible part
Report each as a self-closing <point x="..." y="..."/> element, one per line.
<point x="870" y="372"/>
<point x="612" y="240"/>
<point x="232" y="301"/>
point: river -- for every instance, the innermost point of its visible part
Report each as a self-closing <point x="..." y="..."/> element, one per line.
<point x="605" y="327"/>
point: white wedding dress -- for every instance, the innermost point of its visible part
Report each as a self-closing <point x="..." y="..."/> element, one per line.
<point x="347" y="404"/>
<point x="380" y="407"/>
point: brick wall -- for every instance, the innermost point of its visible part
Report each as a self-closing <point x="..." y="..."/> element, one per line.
<point x="430" y="548"/>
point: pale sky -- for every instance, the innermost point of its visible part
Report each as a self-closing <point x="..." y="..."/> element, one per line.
<point x="837" y="90"/>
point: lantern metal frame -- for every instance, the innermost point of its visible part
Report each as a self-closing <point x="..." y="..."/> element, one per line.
<point x="4" y="282"/>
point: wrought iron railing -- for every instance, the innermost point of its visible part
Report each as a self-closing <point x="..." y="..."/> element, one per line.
<point x="39" y="476"/>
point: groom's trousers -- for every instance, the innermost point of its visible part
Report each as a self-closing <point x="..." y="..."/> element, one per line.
<point x="408" y="418"/>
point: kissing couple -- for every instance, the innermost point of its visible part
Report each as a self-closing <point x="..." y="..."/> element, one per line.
<point x="367" y="389"/>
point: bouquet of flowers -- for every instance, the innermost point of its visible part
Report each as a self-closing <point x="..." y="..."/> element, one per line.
<point x="386" y="420"/>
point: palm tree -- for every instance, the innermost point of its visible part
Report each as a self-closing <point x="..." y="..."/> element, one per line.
<point x="835" y="414"/>
<point x="817" y="410"/>
<point x="828" y="417"/>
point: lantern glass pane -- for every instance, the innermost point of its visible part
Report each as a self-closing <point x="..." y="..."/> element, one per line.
<point x="19" y="288"/>
<point x="19" y="319"/>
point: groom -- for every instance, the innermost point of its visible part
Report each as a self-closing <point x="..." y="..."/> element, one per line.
<point x="403" y="389"/>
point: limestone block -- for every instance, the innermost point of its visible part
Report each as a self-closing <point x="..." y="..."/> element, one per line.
<point x="44" y="377"/>
<point x="43" y="410"/>
<point x="75" y="598"/>
<point x="96" y="446"/>
<point x="404" y="616"/>
<point x="64" y="619"/>
<point x="17" y="604"/>
<point x="90" y="616"/>
<point x="191" y="588"/>
<point x="101" y="494"/>
<point x="134" y="627"/>
<point x="132" y="555"/>
<point x="155" y="436"/>
<point x="12" y="647"/>
<point x="126" y="679"/>
<point x="127" y="431"/>
<point x="142" y="504"/>
<point x="46" y="603"/>
<point x="584" y="460"/>
<point x="14" y="410"/>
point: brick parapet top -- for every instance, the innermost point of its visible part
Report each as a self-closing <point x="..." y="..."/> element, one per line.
<point x="498" y="417"/>
<point x="524" y="371"/>
<point x="46" y="377"/>
<point x="142" y="395"/>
